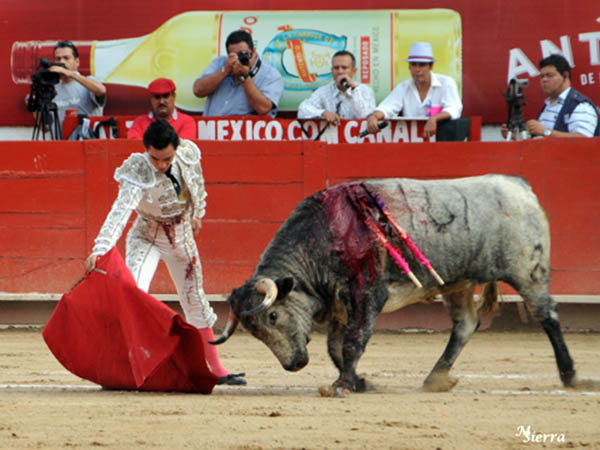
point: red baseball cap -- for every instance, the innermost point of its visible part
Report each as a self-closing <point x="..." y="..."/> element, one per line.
<point x="161" y="86"/>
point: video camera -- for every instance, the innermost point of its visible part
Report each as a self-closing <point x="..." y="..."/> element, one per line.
<point x="42" y="84"/>
<point x="244" y="57"/>
<point x="514" y="91"/>
<point x="514" y="99"/>
<point x="40" y="101"/>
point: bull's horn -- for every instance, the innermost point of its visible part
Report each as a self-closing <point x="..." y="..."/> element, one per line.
<point x="269" y="288"/>
<point x="230" y="326"/>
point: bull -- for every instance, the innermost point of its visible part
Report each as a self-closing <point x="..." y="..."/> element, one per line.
<point x="323" y="265"/>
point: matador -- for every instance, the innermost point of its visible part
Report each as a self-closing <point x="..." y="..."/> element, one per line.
<point x="165" y="187"/>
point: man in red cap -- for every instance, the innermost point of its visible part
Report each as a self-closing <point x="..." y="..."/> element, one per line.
<point x="162" y="101"/>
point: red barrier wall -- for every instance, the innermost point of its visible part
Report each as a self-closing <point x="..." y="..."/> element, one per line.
<point x="56" y="196"/>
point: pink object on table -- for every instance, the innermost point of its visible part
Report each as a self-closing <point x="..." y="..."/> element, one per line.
<point x="433" y="110"/>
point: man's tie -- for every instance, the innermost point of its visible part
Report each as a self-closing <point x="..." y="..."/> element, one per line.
<point x="174" y="180"/>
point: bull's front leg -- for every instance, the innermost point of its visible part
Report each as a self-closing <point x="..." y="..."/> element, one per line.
<point x="354" y="313"/>
<point x="352" y="349"/>
<point x="362" y="314"/>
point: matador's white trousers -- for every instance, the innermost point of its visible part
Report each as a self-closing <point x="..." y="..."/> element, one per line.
<point x="148" y="242"/>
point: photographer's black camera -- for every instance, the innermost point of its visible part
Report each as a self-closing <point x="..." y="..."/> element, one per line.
<point x="42" y="84"/>
<point x="244" y="57"/>
<point x="44" y="76"/>
<point x="43" y="90"/>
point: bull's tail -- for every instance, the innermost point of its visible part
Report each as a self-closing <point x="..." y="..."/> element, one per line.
<point x="488" y="301"/>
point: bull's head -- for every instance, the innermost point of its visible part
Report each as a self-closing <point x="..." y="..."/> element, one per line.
<point x="277" y="315"/>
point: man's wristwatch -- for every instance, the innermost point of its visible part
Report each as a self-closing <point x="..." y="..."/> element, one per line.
<point x="547" y="133"/>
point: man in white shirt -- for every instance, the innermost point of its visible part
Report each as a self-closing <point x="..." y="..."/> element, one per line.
<point x="426" y="94"/>
<point x="343" y="98"/>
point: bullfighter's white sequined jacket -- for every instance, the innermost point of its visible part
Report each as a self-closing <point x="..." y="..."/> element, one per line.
<point x="151" y="194"/>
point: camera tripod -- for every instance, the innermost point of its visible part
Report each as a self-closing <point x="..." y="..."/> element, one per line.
<point x="514" y="99"/>
<point x="46" y="120"/>
<point x="516" y="124"/>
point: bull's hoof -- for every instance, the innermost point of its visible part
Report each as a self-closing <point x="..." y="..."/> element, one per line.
<point x="333" y="391"/>
<point x="360" y="385"/>
<point x="439" y="382"/>
<point x="569" y="379"/>
<point x="369" y="387"/>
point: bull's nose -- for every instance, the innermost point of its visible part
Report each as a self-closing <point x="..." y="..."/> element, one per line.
<point x="297" y="364"/>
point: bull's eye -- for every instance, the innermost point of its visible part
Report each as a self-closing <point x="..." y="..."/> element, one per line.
<point x="272" y="317"/>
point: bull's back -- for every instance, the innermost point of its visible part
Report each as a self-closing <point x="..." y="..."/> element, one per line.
<point x="483" y="228"/>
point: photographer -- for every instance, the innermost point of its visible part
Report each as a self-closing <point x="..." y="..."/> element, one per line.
<point x="566" y="112"/>
<point x="75" y="91"/>
<point x="239" y="84"/>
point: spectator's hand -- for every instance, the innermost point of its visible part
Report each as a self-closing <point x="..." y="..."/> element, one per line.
<point x="535" y="128"/>
<point x="63" y="71"/>
<point x="346" y="77"/>
<point x="240" y="70"/>
<point x="331" y="117"/>
<point x="90" y="263"/>
<point x="373" y="124"/>
<point x="196" y="226"/>
<point x="430" y="128"/>
<point x="231" y="60"/>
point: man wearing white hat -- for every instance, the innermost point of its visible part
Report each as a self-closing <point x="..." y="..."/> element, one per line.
<point x="425" y="95"/>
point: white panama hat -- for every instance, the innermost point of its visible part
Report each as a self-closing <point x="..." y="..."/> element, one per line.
<point x="420" y="52"/>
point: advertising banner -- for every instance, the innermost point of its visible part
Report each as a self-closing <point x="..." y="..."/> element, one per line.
<point x="347" y="132"/>
<point x="252" y="128"/>
<point x="128" y="44"/>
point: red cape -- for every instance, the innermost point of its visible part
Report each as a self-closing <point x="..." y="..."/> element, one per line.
<point x="112" y="333"/>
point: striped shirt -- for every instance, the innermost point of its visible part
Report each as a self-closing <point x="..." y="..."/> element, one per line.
<point x="583" y="120"/>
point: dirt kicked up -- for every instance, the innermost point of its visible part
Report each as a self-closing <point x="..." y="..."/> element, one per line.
<point x="508" y="397"/>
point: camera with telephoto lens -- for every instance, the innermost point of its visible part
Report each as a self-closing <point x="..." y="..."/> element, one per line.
<point x="42" y="84"/>
<point x="244" y="57"/>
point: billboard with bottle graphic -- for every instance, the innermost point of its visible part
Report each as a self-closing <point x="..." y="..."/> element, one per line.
<point x="300" y="44"/>
<point x="127" y="45"/>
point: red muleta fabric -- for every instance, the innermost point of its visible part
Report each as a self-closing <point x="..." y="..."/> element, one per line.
<point x="108" y="331"/>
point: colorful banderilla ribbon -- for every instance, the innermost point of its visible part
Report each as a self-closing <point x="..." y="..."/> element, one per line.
<point x="408" y="241"/>
<point x="393" y="251"/>
<point x="402" y="234"/>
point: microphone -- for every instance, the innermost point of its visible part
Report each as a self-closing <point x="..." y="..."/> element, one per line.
<point x="344" y="83"/>
<point x="381" y="126"/>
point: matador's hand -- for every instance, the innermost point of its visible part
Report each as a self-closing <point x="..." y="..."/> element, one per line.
<point x="196" y="226"/>
<point x="90" y="263"/>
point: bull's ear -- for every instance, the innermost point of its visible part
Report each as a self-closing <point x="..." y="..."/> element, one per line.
<point x="284" y="286"/>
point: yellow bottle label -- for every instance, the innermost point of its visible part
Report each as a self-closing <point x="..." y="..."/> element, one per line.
<point x="299" y="44"/>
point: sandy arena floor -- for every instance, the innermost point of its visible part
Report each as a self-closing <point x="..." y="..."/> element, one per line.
<point x="508" y="383"/>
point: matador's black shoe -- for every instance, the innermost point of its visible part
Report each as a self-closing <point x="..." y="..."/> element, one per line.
<point x="233" y="379"/>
